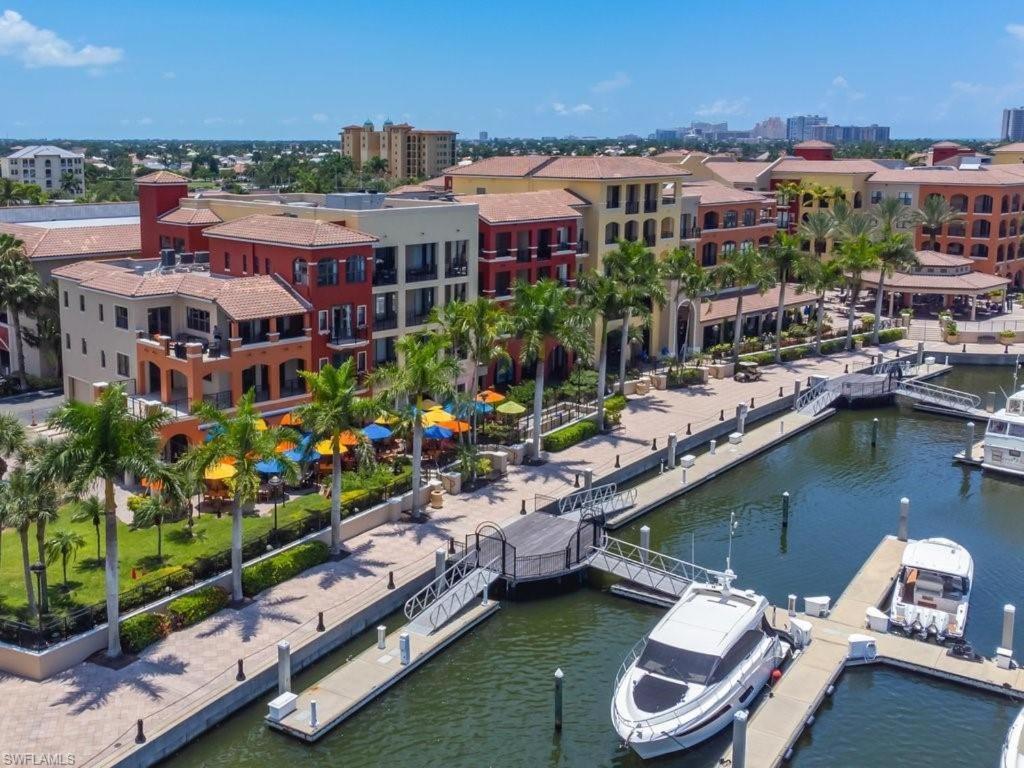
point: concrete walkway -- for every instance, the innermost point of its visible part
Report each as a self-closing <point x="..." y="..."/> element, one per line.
<point x="90" y="711"/>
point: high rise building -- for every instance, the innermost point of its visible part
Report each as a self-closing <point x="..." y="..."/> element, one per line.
<point x="798" y="128"/>
<point x="408" y="152"/>
<point x="1013" y="124"/>
<point x="770" y="128"/>
<point x="849" y="133"/>
<point x="484" y="136"/>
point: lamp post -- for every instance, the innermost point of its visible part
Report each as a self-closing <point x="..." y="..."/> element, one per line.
<point x="275" y="490"/>
<point x="38" y="569"/>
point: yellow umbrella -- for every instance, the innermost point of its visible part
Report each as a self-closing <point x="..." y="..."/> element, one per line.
<point x="455" y="426"/>
<point x="511" y="408"/>
<point x="387" y="419"/>
<point x="219" y="471"/>
<point x="436" y="416"/>
<point x="490" y="397"/>
<point x="324" y="448"/>
<point x="261" y="425"/>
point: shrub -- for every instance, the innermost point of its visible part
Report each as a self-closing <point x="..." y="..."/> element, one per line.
<point x="798" y="331"/>
<point x="189" y="609"/>
<point x="950" y="327"/>
<point x="562" y="438"/>
<point x="684" y="377"/>
<point x="274" y="570"/>
<point x="867" y="322"/>
<point x="615" y="402"/>
<point x="145" y="629"/>
<point x="890" y="334"/>
<point x="1007" y="336"/>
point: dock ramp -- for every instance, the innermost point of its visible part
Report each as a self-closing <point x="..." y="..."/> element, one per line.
<point x="443" y="598"/>
<point x="647" y="568"/>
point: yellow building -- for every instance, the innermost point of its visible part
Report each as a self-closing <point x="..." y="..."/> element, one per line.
<point x="409" y="153"/>
<point x="1009" y="153"/>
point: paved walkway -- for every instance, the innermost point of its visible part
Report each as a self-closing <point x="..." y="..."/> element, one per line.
<point x="90" y="711"/>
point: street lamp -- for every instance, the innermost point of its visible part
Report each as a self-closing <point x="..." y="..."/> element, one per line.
<point x="39" y="569"/>
<point x="275" y="490"/>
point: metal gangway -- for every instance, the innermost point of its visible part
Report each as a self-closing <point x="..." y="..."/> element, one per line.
<point x="816" y="399"/>
<point x="443" y="598"/>
<point x="599" y="500"/>
<point x="934" y="397"/>
<point x="648" y="568"/>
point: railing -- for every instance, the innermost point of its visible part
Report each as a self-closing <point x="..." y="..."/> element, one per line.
<point x="293" y="388"/>
<point x="649" y="240"/>
<point x="588" y="534"/>
<point x="418" y="318"/>
<point x="221" y="400"/>
<point x="262" y="394"/>
<point x="544" y="251"/>
<point x="632" y="206"/>
<point x="689" y="233"/>
<point x="612" y="204"/>
<point x="455" y="573"/>
<point x="522" y="254"/>
<point x="456" y="270"/>
<point x="583" y="246"/>
<point x="936" y="395"/>
<point x="384" y="275"/>
<point x="557" y="415"/>
<point x="503" y="253"/>
<point x="419" y="274"/>
<point x="600" y="499"/>
<point x="350" y="335"/>
<point x="385" y="322"/>
<point x="815" y="399"/>
<point x="652" y="568"/>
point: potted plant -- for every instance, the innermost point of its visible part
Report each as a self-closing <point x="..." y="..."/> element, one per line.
<point x="950" y="329"/>
<point x="1007" y="337"/>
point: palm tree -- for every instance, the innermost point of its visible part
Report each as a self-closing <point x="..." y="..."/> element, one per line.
<point x="890" y="215"/>
<point x="16" y="502"/>
<point x="105" y="441"/>
<point x="241" y="439"/>
<point x="741" y="269"/>
<point x="819" y="276"/>
<point x="934" y="214"/>
<point x="784" y="252"/>
<point x="543" y="312"/>
<point x="46" y="497"/>
<point x="686" y="279"/>
<point x="150" y="513"/>
<point x="788" y="190"/>
<point x="69" y="183"/>
<point x="485" y="327"/>
<point x="90" y="510"/>
<point x="640" y="284"/>
<point x="856" y="257"/>
<point x="334" y="409"/>
<point x="895" y="254"/>
<point x="12" y="439"/>
<point x="599" y="297"/>
<point x="46" y="336"/>
<point x="19" y="292"/>
<point x="63" y="545"/>
<point x="817" y="229"/>
<point x="854" y="225"/>
<point x="423" y="369"/>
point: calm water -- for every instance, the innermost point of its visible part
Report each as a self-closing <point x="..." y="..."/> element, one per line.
<point x="487" y="700"/>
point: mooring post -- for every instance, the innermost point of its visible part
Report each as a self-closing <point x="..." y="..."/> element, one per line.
<point x="785" y="508"/>
<point x="140" y="735"/>
<point x="440" y="555"/>
<point x="314" y="721"/>
<point x="670" y="450"/>
<point x="403" y="649"/>
<point x="714" y="444"/>
<point x="796" y="389"/>
<point x="782" y="426"/>
<point x="990" y="402"/>
<point x="1009" y="613"/>
<point x="588" y="478"/>
<point x="874" y="432"/>
<point x="969" y="437"/>
<point x="284" y="668"/>
<point x="382" y="631"/>
<point x="645" y="541"/>
<point x="558" y="699"/>
<point x="741" y="417"/>
<point x="791" y="605"/>
<point x="240" y="675"/>
<point x="684" y="476"/>
<point x="739" y="739"/>
<point x="901" y="531"/>
<point x="485" y="601"/>
<point x="920" y="353"/>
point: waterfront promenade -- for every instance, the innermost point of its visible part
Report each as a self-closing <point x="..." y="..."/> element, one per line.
<point x="90" y="711"/>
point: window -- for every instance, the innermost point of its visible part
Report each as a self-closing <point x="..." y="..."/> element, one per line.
<point x="323" y="321"/>
<point x="122" y="365"/>
<point x="245" y="263"/>
<point x="611" y="233"/>
<point x="81" y="302"/>
<point x="979" y="251"/>
<point x="67" y="341"/>
<point x="676" y="663"/>
<point x="983" y="204"/>
<point x="981" y="228"/>
<point x="958" y="203"/>
<point x="728" y="247"/>
<point x="121" y="316"/>
<point x="255" y="265"/>
<point x="85" y="346"/>
<point x="729" y="220"/>
<point x="481" y="190"/>
<point x="197" y="319"/>
<point x="876" y="197"/>
<point x="323" y="361"/>
<point x="361" y="316"/>
<point x="299" y="272"/>
<point x="99" y="307"/>
<point x="735" y="655"/>
<point x="103" y="359"/>
<point x="266" y="266"/>
<point x="748" y="217"/>
<point x="905" y="198"/>
<point x="355" y="269"/>
<point x="709" y="255"/>
<point x="227" y="261"/>
<point x="361" y="362"/>
<point x="327" y="272"/>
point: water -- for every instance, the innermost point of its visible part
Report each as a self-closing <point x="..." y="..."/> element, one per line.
<point x="488" y="699"/>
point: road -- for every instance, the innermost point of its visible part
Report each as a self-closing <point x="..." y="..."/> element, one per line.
<point x="38" y="404"/>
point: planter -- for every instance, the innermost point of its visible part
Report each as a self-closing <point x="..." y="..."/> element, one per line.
<point x="952" y="338"/>
<point x="642" y="387"/>
<point x="451" y="482"/>
<point x="722" y="370"/>
<point x="629" y="388"/>
<point x="858" y="343"/>
<point x="436" y="500"/>
<point x="517" y="452"/>
<point x="659" y="380"/>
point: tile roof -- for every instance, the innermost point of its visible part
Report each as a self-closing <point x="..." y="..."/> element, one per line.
<point x="190" y="216"/>
<point x="972" y="282"/>
<point x="798" y="165"/>
<point x="289" y="230"/>
<point x="1017" y="146"/>
<point x="526" y="206"/>
<point x="725" y="307"/>
<point x="814" y="144"/>
<point x="241" y="298"/>
<point x="437" y="182"/>
<point x="549" y="167"/>
<point x="161" y="177"/>
<point x="740" y="172"/>
<point x="937" y="259"/>
<point x="715" y="193"/>
<point x="71" y="242"/>
<point x="986" y="175"/>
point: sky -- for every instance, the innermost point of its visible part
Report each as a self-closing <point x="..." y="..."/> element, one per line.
<point x="301" y="70"/>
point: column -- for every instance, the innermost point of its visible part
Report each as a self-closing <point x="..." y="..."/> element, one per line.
<point x="274" y="385"/>
<point x="892" y="302"/>
<point x="974" y="306"/>
<point x="165" y="385"/>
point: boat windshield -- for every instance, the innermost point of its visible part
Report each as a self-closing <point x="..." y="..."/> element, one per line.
<point x="676" y="663"/>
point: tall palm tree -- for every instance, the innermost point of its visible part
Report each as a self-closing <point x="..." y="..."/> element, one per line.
<point x="819" y="276"/>
<point x="150" y="514"/>
<point x="105" y="441"/>
<point x="423" y="369"/>
<point x="817" y="229"/>
<point x="891" y="215"/>
<point x="47" y="496"/>
<point x="239" y="438"/>
<point x="934" y="214"/>
<point x="16" y="500"/>
<point x="90" y="510"/>
<point x="19" y="291"/>
<point x="854" y="225"/>
<point x="69" y="184"/>
<point x="599" y="296"/>
<point x="641" y="285"/>
<point x="856" y="257"/>
<point x="741" y="269"/>
<point x="63" y="545"/>
<point x="46" y="335"/>
<point x="895" y="254"/>
<point x="686" y="279"/>
<point x="783" y="253"/>
<point x="334" y="408"/>
<point x="12" y="439"/>
<point x="544" y="312"/>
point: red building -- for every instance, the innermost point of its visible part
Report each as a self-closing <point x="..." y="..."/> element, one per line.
<point x="159" y="193"/>
<point x="731" y="218"/>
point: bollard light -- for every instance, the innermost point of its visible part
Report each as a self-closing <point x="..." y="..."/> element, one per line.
<point x="381" y="636"/>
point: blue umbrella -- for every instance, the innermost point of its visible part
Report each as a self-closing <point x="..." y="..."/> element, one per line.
<point x="214" y="431"/>
<point x="434" y="432"/>
<point x="302" y="454"/>
<point x="461" y="410"/>
<point x="377" y="432"/>
<point x="269" y="467"/>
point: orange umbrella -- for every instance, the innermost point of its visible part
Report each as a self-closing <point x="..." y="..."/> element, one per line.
<point x="291" y="419"/>
<point x="455" y="426"/>
<point x="490" y="397"/>
<point x="153" y="485"/>
<point x="284" y="446"/>
<point x="227" y="460"/>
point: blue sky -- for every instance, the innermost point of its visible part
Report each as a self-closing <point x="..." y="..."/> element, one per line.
<point x="263" y="70"/>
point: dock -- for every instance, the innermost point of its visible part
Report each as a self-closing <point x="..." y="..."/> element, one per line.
<point x="976" y="457"/>
<point x="778" y="721"/>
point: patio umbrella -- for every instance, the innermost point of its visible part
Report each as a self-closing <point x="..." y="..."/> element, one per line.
<point x="303" y="454"/>
<point x="490" y="397"/>
<point x="291" y="419"/>
<point x="154" y="485"/>
<point x="269" y="467"/>
<point x="215" y="431"/>
<point x="376" y="432"/>
<point x="284" y="446"/>
<point x="464" y="409"/>
<point x="437" y="432"/>
<point x="426" y="404"/>
<point x="511" y="408"/>
<point x="324" y="448"/>
<point x="261" y="424"/>
<point x="387" y="419"/>
<point x="457" y="427"/>
<point x="219" y="471"/>
<point x="436" y="416"/>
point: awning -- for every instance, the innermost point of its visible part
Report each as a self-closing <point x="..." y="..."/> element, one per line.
<point x="724" y="308"/>
<point x="970" y="283"/>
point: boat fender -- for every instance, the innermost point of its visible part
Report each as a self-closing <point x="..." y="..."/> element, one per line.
<point x="776" y="676"/>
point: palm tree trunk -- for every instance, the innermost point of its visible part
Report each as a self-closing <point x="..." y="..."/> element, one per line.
<point x="673" y="323"/>
<point x="737" y="331"/>
<point x="44" y="599"/>
<point x="417" y="459"/>
<point x="16" y="328"/>
<point x="336" y="496"/>
<point x="236" y="549"/>
<point x="98" y="553"/>
<point x="160" y="541"/>
<point x="878" y="307"/>
<point x="64" y="569"/>
<point x="849" y="323"/>
<point x="538" y="401"/>
<point x="624" y="342"/>
<point x="778" y="318"/>
<point x="111" y="576"/>
<point x="820" y="322"/>
<point x="602" y="372"/>
<point x="26" y="559"/>
<point x="474" y="387"/>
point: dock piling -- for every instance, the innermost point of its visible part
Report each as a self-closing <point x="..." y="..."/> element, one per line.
<point x="990" y="402"/>
<point x="663" y="466"/>
<point x="382" y="631"/>
<point x="968" y="440"/>
<point x="796" y="389"/>
<point x="645" y="541"/>
<point x="670" y="450"/>
<point x="874" y="432"/>
<point x="920" y="354"/>
<point x="588" y="478"/>
<point x="739" y="739"/>
<point x="558" y="699"/>
<point x="782" y="427"/>
<point x="284" y="668"/>
<point x="714" y="444"/>
<point x="1009" y="613"/>
<point x="403" y="649"/>
<point x="684" y="476"/>
<point x="486" y="598"/>
<point x="785" y="509"/>
<point x="791" y="605"/>
<point x="313" y="720"/>
<point x="901" y="531"/>
<point x="440" y="565"/>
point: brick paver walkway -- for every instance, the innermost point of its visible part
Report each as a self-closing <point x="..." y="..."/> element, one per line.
<point x="89" y="709"/>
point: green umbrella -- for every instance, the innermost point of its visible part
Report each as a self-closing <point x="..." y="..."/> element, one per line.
<point x="511" y="408"/>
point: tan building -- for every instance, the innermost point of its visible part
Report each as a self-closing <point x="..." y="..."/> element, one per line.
<point x="410" y="153"/>
<point x="48" y="167"/>
<point x="1009" y="153"/>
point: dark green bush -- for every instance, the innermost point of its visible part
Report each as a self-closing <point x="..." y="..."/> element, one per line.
<point x="189" y="609"/>
<point x="145" y="629"/>
<point x="562" y="438"/>
<point x="890" y="334"/>
<point x="281" y="567"/>
<point x="684" y="377"/>
<point x="615" y="402"/>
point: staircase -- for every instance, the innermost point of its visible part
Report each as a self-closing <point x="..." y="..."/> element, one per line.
<point x="647" y="568"/>
<point x="434" y="605"/>
<point x="924" y="332"/>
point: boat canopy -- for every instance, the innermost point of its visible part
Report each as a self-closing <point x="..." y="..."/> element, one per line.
<point x="939" y="556"/>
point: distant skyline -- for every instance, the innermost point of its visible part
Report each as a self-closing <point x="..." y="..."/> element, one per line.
<point x="258" y="70"/>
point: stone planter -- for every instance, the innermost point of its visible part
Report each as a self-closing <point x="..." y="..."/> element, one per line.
<point x="722" y="370"/>
<point x="642" y="387"/>
<point x="629" y="388"/>
<point x="952" y="338"/>
<point x="858" y="343"/>
<point x="436" y="499"/>
<point x="499" y="462"/>
<point x="451" y="482"/>
<point x="517" y="452"/>
<point x="659" y="380"/>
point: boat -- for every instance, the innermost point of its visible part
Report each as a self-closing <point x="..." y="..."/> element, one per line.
<point x="1013" y="757"/>
<point x="932" y="590"/>
<point x="1004" y="438"/>
<point x="706" y="659"/>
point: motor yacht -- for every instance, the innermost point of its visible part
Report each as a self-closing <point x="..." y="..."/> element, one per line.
<point x="932" y="590"/>
<point x="1013" y="747"/>
<point x="1004" y="438"/>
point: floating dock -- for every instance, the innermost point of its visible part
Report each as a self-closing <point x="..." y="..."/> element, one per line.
<point x="976" y="457"/>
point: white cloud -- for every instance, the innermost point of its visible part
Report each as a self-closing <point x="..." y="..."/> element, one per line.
<point x="566" y="110"/>
<point x="213" y="121"/>
<point x="36" y="47"/>
<point x="840" y="82"/>
<point x="614" y="83"/>
<point x="1017" y="30"/>
<point x="841" y="87"/>
<point x="319" y="117"/>
<point x="723" y="107"/>
<point x="169" y="75"/>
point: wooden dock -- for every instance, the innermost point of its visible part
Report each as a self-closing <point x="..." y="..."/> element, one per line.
<point x="977" y="455"/>
<point x="360" y="680"/>
<point x="776" y="724"/>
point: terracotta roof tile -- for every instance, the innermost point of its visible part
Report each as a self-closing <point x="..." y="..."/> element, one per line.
<point x="550" y="167"/>
<point x="797" y="165"/>
<point x="161" y="177"/>
<point x="81" y="242"/>
<point x="814" y="144"/>
<point x="526" y="206"/>
<point x="739" y="172"/>
<point x="715" y="193"/>
<point x="1017" y="146"/>
<point x="969" y="283"/>
<point x="937" y="259"/>
<point x="190" y="216"/>
<point x="986" y="175"/>
<point x="725" y="307"/>
<point x="289" y="230"/>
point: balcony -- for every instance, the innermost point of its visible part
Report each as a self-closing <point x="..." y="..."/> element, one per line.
<point x="613" y="204"/>
<point x="385" y="322"/>
<point x="262" y="394"/>
<point x="543" y="251"/>
<point x="220" y="400"/>
<point x="503" y="253"/>
<point x="293" y="388"/>
<point x="650" y="206"/>
<point x="418" y="317"/>
<point x="668" y="200"/>
<point x="421" y="273"/>
<point x="583" y="247"/>
<point x="523" y="254"/>
<point x="385" y="275"/>
<point x="458" y="269"/>
<point x="690" y="233"/>
<point x="632" y="206"/>
<point x="565" y="246"/>
<point x="350" y="336"/>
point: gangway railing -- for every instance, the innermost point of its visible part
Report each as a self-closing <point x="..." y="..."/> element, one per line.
<point x="599" y="500"/>
<point x="816" y="399"/>
<point x="455" y="573"/>
<point x="649" y="568"/>
<point x="933" y="394"/>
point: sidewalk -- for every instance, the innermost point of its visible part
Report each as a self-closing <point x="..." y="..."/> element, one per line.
<point x="90" y="710"/>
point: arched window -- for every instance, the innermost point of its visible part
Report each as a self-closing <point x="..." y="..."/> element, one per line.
<point x="632" y="231"/>
<point x="747" y="245"/>
<point x="710" y="220"/>
<point x="667" y="227"/>
<point x="1000" y="253"/>
<point x="1013" y="227"/>
<point x="955" y="249"/>
<point x="958" y="203"/>
<point x="1002" y="228"/>
<point x="983" y="204"/>
<point x="858" y="200"/>
<point x="300" y="270"/>
<point x="1015" y="206"/>
<point x="730" y="219"/>
<point x="979" y="251"/>
<point x="764" y="241"/>
<point x="709" y="255"/>
<point x="650" y="232"/>
<point x="981" y="228"/>
<point x="1011" y="252"/>
<point x="957" y="229"/>
<point x="1004" y="205"/>
<point x="611" y="233"/>
<point x="728" y="247"/>
<point x="807" y="199"/>
<point x="749" y="217"/>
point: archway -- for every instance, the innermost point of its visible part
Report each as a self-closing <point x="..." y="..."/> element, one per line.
<point x="175" y="448"/>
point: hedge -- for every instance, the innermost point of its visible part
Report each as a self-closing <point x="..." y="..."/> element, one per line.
<point x="565" y="437"/>
<point x="145" y="629"/>
<point x="281" y="567"/>
<point x="190" y="609"/>
<point x="615" y="402"/>
<point x="890" y="334"/>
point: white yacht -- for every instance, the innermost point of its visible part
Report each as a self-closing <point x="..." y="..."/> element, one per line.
<point x="1004" y="438"/>
<point x="933" y="590"/>
<point x="704" y="661"/>
<point x="1013" y="747"/>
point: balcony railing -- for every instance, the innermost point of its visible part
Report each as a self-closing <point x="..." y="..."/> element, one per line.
<point x="418" y="317"/>
<point x="667" y="200"/>
<point x="650" y="206"/>
<point x="293" y="388"/>
<point x="458" y="269"/>
<point x="385" y="275"/>
<point x="690" y="233"/>
<point x="419" y="274"/>
<point x="220" y="400"/>
<point x="611" y="204"/>
<point x="523" y="254"/>
<point x="632" y="206"/>
<point x="543" y="251"/>
<point x="349" y="335"/>
<point x="262" y="394"/>
<point x="565" y="246"/>
<point x="583" y="246"/>
<point x="503" y="253"/>
<point x="385" y="322"/>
